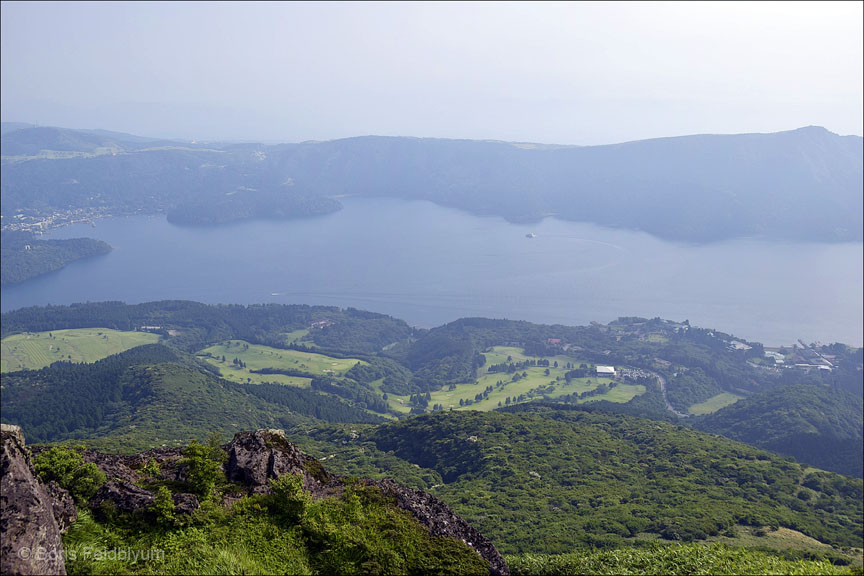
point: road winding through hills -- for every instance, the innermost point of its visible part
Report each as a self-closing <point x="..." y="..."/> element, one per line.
<point x="666" y="398"/>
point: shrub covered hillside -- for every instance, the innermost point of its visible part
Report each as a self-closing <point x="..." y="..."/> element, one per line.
<point x="260" y="506"/>
<point x="550" y="479"/>
<point x="395" y="369"/>
<point x="255" y="506"/>
<point x="816" y="424"/>
<point x="683" y="560"/>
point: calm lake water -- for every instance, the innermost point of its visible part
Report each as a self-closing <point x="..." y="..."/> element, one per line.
<point x="429" y="265"/>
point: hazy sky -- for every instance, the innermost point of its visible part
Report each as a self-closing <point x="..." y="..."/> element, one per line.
<point x="569" y="73"/>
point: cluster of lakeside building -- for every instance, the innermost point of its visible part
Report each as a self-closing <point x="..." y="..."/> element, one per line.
<point x="38" y="223"/>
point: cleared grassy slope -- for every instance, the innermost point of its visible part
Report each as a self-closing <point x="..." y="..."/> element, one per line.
<point x="34" y="350"/>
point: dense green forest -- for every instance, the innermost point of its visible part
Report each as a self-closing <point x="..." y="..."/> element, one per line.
<point x="150" y="396"/>
<point x="548" y="479"/>
<point x="550" y="476"/>
<point x="674" y="188"/>
<point x="24" y="256"/>
<point x="696" y="364"/>
<point x="199" y="325"/>
<point x="813" y="422"/>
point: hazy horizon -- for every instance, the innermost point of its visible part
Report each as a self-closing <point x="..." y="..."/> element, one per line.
<point x="276" y="141"/>
<point x="553" y="73"/>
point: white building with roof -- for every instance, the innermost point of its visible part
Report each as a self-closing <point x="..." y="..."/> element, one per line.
<point x="606" y="371"/>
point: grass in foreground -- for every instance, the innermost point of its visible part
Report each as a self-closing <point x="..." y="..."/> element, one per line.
<point x="284" y="533"/>
<point x="670" y="559"/>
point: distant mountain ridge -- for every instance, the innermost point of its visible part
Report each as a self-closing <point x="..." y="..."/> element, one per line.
<point x="12" y="126"/>
<point x="803" y="185"/>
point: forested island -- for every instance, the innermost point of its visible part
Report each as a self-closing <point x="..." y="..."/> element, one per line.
<point x="26" y="256"/>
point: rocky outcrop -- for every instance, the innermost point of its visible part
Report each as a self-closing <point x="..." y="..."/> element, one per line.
<point x="257" y="457"/>
<point x="32" y="514"/>
<point x="441" y="521"/>
<point x="185" y="503"/>
<point x="120" y="496"/>
<point x="115" y="467"/>
<point x="63" y="506"/>
<point x="125" y="497"/>
<point x="254" y="458"/>
<point x="128" y="467"/>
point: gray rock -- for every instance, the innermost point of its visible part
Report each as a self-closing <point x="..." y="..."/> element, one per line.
<point x="13" y="431"/>
<point x="254" y="458"/>
<point x="30" y="540"/>
<point x="185" y="503"/>
<point x="63" y="506"/>
<point x="122" y="496"/>
<point x="441" y="521"/>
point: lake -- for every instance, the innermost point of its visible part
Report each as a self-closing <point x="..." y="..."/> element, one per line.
<point x="429" y="264"/>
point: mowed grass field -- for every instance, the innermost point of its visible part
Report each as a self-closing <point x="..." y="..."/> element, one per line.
<point x="34" y="350"/>
<point x="714" y="403"/>
<point x="536" y="383"/>
<point x="257" y="357"/>
<point x="783" y="539"/>
<point x="499" y="355"/>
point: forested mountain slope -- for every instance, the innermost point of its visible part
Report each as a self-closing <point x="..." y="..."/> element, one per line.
<point x="196" y="325"/>
<point x="801" y="184"/>
<point x="548" y="479"/>
<point x="388" y="368"/>
<point x="813" y="423"/>
<point x="152" y="396"/>
<point x="555" y="471"/>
